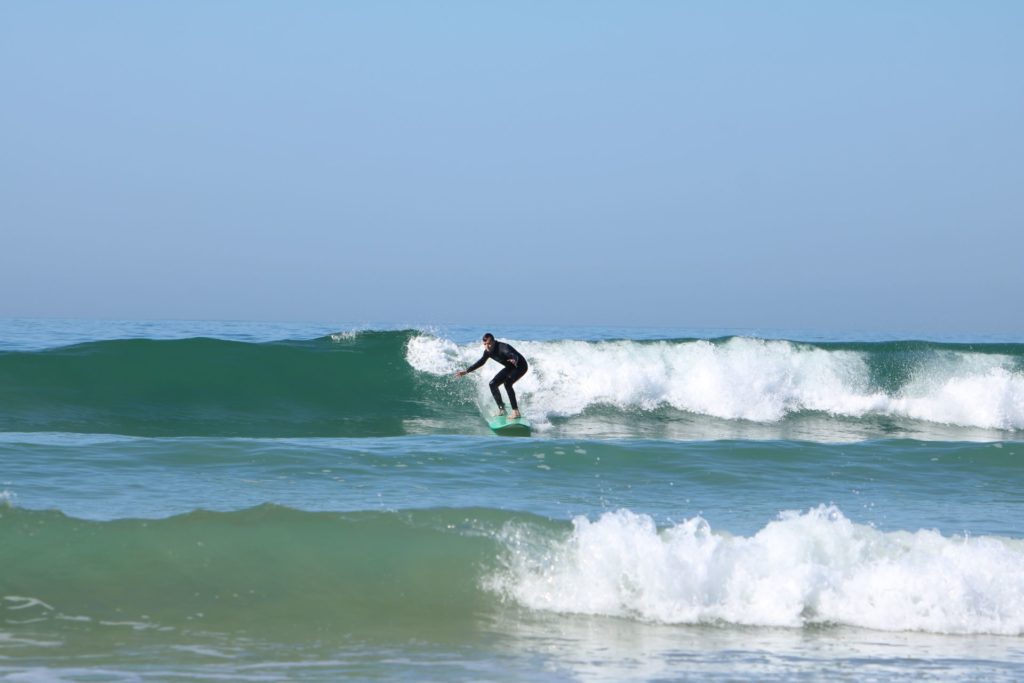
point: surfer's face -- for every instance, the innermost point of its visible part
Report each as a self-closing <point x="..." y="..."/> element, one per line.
<point x="488" y="344"/>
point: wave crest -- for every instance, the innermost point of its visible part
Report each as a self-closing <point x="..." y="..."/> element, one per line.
<point x="757" y="380"/>
<point x="812" y="568"/>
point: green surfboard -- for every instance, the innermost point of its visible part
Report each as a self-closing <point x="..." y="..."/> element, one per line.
<point x="506" y="426"/>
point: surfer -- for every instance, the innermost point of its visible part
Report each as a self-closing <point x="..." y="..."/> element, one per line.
<point x="515" y="368"/>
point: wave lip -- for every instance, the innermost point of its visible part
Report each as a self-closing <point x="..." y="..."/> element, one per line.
<point x="802" y="569"/>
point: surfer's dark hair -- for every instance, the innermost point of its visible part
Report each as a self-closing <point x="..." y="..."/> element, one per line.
<point x="488" y="337"/>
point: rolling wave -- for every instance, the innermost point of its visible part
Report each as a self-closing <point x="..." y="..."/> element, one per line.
<point x="761" y="381"/>
<point x="395" y="383"/>
<point x="272" y="565"/>
<point x="351" y="385"/>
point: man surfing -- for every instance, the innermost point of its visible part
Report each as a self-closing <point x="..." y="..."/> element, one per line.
<point x="515" y="368"/>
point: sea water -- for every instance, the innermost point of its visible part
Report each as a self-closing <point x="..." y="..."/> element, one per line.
<point x="257" y="501"/>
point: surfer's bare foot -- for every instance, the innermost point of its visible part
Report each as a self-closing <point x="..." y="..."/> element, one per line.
<point x="515" y="414"/>
<point x="500" y="412"/>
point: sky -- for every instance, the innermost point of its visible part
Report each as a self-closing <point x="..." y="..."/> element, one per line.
<point x="803" y="165"/>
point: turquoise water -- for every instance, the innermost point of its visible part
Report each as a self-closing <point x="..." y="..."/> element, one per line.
<point x="318" y="502"/>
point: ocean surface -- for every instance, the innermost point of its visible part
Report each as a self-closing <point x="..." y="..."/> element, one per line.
<point x="277" y="502"/>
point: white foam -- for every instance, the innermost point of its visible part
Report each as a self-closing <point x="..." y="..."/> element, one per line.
<point x="435" y="355"/>
<point x="801" y="569"/>
<point x="19" y="602"/>
<point x="741" y="378"/>
<point x="967" y="390"/>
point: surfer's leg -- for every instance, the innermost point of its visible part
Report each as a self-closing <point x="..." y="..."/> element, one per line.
<point x="511" y="394"/>
<point x="512" y="379"/>
<point x="498" y="380"/>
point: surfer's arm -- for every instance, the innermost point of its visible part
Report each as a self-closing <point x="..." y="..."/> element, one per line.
<point x="474" y="366"/>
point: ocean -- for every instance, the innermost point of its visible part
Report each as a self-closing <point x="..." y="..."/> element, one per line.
<point x="320" y="502"/>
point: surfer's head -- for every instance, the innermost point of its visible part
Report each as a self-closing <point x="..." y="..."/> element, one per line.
<point x="488" y="341"/>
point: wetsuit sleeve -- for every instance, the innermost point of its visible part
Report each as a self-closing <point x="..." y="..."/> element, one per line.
<point x="476" y="365"/>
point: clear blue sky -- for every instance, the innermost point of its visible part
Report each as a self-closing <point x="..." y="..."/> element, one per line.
<point x="816" y="165"/>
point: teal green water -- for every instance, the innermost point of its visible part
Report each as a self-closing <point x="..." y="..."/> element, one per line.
<point x="208" y="386"/>
<point x="260" y="506"/>
<point x="271" y="570"/>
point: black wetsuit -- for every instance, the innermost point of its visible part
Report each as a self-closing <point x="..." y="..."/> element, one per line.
<point x="515" y="367"/>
